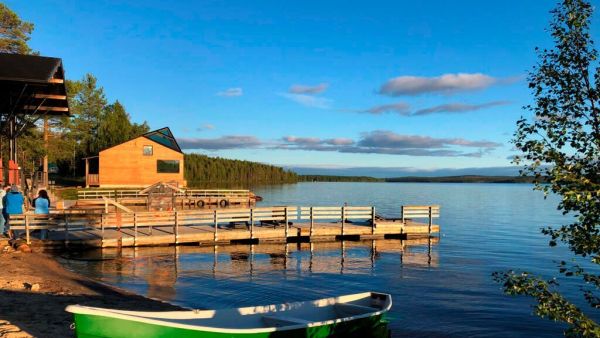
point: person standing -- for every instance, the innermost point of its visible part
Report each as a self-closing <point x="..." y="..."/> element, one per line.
<point x="2" y="219"/>
<point x="41" y="206"/>
<point x="13" y="204"/>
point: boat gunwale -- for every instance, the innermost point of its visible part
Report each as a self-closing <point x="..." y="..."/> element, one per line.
<point x="119" y="314"/>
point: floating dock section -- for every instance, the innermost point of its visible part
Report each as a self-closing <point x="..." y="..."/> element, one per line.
<point x="228" y="225"/>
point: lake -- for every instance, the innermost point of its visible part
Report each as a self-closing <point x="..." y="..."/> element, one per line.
<point x="440" y="288"/>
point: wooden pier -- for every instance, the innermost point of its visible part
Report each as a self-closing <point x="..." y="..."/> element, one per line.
<point x="209" y="227"/>
<point x="184" y="199"/>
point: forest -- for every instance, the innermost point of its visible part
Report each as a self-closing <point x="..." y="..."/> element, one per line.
<point x="202" y="169"/>
<point x="333" y="178"/>
<point x="463" y="179"/>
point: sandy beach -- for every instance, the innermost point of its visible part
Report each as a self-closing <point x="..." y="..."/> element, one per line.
<point x="35" y="289"/>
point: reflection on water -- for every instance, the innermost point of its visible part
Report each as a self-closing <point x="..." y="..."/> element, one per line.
<point x="442" y="290"/>
<point x="155" y="271"/>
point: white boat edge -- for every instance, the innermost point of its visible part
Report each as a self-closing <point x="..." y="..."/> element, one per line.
<point x="161" y="317"/>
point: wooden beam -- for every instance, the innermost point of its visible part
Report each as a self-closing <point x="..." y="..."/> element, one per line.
<point x="117" y="204"/>
<point x="50" y="96"/>
<point x="57" y="81"/>
<point x="46" y="108"/>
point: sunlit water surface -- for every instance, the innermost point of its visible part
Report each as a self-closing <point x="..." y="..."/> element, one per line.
<point x="440" y="288"/>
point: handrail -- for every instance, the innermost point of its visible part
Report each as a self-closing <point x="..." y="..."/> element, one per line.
<point x="420" y="211"/>
<point x="118" y="205"/>
<point x="281" y="215"/>
<point x="133" y="193"/>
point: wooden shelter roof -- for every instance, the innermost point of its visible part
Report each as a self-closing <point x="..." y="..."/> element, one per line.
<point x="32" y="85"/>
<point x="168" y="185"/>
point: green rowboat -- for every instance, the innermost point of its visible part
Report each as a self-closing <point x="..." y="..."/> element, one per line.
<point x="357" y="315"/>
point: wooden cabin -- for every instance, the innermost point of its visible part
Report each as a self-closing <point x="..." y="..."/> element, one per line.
<point x="140" y="162"/>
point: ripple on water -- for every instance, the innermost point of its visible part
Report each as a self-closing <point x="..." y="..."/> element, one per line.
<point x="442" y="290"/>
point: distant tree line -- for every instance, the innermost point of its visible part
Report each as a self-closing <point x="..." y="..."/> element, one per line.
<point x="333" y="178"/>
<point x="442" y="179"/>
<point x="464" y="179"/>
<point x="201" y="169"/>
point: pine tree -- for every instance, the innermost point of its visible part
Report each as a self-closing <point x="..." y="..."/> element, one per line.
<point x="14" y="32"/>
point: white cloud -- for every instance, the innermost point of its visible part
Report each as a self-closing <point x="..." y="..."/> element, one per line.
<point x="223" y="142"/>
<point x="206" y="126"/>
<point x="231" y="92"/>
<point x="303" y="89"/>
<point x="455" y="108"/>
<point x="400" y="108"/>
<point x="444" y="84"/>
<point x="308" y="100"/>
<point x="390" y="143"/>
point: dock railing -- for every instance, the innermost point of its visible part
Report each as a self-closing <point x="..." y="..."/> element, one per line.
<point x="135" y="193"/>
<point x="344" y="214"/>
<point x="420" y="211"/>
<point x="144" y="221"/>
<point x="67" y="221"/>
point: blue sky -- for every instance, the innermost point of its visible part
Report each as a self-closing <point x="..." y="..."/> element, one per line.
<point x="420" y="84"/>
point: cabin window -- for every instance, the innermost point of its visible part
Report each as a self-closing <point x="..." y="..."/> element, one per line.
<point x="167" y="166"/>
<point x="148" y="150"/>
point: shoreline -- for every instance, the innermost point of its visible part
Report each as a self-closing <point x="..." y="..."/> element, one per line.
<point x="35" y="289"/>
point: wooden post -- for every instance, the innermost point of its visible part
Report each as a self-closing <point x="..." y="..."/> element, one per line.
<point x="66" y="229"/>
<point x="45" y="163"/>
<point x="215" y="259"/>
<point x="286" y="222"/>
<point x="176" y="226"/>
<point x="372" y="220"/>
<point x="402" y="213"/>
<point x="102" y="221"/>
<point x="429" y="251"/>
<point x="87" y="173"/>
<point x="285" y="257"/>
<point x="216" y="218"/>
<point x="119" y="224"/>
<point x="430" y="219"/>
<point x="135" y="232"/>
<point x="251" y="223"/>
<point x="343" y="219"/>
<point x="27" y="229"/>
<point x="373" y="253"/>
<point x="312" y="222"/>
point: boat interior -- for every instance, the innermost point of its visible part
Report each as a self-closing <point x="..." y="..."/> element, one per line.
<point x="279" y="316"/>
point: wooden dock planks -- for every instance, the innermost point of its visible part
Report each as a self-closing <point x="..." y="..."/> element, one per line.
<point x="204" y="234"/>
<point x="209" y="227"/>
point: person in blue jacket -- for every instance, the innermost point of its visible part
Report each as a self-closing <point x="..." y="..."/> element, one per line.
<point x="42" y="207"/>
<point x="3" y="216"/>
<point x="13" y="204"/>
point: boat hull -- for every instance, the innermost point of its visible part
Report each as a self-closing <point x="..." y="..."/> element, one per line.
<point x="94" y="326"/>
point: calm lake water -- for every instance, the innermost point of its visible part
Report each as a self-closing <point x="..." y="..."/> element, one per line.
<point x="440" y="288"/>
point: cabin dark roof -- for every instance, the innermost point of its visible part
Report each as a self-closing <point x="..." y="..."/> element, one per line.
<point x="31" y="85"/>
<point x="165" y="137"/>
<point x="28" y="68"/>
<point x="161" y="136"/>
